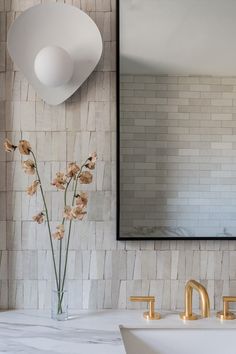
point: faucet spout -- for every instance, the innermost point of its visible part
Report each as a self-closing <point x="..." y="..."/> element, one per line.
<point x="204" y="298"/>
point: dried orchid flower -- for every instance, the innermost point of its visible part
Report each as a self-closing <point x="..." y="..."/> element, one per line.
<point x="91" y="161"/>
<point x="93" y="157"/>
<point x="31" y="190"/>
<point x="78" y="213"/>
<point x="86" y="177"/>
<point x="39" y="218"/>
<point x="67" y="213"/>
<point x="72" y="170"/>
<point x="82" y="199"/>
<point x="60" y="231"/>
<point x="28" y="167"/>
<point x="24" y="147"/>
<point x="59" y="181"/>
<point x="8" y="146"/>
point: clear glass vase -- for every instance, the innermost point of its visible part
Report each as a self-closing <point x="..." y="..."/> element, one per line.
<point x="59" y="309"/>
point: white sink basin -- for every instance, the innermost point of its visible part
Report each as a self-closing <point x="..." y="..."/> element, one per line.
<point x="179" y="341"/>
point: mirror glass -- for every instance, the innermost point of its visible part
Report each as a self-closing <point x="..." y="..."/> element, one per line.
<point x="177" y="119"/>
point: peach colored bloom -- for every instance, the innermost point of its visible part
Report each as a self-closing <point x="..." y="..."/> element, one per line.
<point x="8" y="146"/>
<point x="59" y="181"/>
<point x="39" y="218"/>
<point x="31" y="190"/>
<point x="86" y="177"/>
<point x="28" y="167"/>
<point x="78" y="213"/>
<point x="67" y="213"/>
<point x="72" y="170"/>
<point x="24" y="147"/>
<point x="82" y="199"/>
<point x="60" y="231"/>
<point x="92" y="161"/>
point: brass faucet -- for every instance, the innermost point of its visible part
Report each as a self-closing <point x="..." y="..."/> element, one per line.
<point x="205" y="302"/>
<point x="150" y="314"/>
<point x="226" y="314"/>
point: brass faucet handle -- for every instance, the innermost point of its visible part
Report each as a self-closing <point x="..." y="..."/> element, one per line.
<point x="142" y="298"/>
<point x="150" y="314"/>
<point x="226" y="314"/>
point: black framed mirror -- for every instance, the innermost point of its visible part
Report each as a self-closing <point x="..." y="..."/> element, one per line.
<point x="176" y="119"/>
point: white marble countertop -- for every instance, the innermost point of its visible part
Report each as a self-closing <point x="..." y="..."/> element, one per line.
<point x="87" y="332"/>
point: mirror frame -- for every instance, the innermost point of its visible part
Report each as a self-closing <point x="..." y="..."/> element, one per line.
<point x="118" y="203"/>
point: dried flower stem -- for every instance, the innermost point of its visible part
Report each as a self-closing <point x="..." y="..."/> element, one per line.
<point x="69" y="231"/>
<point x="47" y="218"/>
<point x="63" y="221"/>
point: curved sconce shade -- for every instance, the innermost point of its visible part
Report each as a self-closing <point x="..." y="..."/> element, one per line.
<point x="56" y="46"/>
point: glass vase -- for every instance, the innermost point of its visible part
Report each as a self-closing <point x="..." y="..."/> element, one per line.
<point x="59" y="309"/>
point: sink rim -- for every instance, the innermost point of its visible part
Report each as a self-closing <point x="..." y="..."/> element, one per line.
<point x="172" y="321"/>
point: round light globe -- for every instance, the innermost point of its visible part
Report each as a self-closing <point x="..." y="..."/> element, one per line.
<point x="53" y="66"/>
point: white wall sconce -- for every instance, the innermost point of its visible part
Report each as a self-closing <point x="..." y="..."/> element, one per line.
<point x="53" y="66"/>
<point x="57" y="47"/>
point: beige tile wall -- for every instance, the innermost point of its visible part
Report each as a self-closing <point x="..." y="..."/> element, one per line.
<point x="102" y="272"/>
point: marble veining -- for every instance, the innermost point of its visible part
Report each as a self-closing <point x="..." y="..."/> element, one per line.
<point x="35" y="332"/>
<point x="86" y="332"/>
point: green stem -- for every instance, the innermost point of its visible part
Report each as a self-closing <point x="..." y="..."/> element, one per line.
<point x="69" y="231"/>
<point x="47" y="218"/>
<point x="63" y="221"/>
<point x="68" y="240"/>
